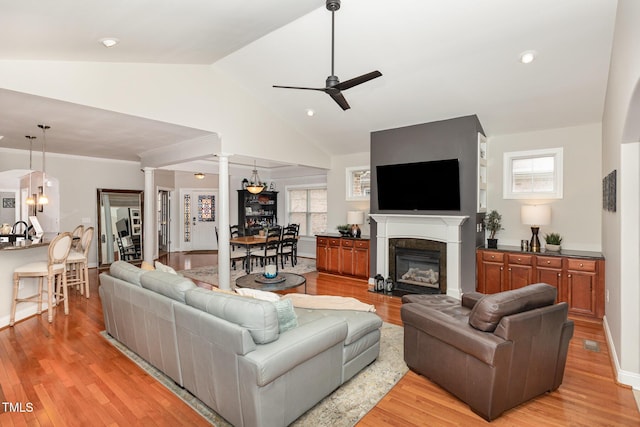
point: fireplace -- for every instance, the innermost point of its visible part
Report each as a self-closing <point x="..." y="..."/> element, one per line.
<point x="445" y="229"/>
<point x="418" y="266"/>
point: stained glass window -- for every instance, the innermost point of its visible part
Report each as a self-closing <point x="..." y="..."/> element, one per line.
<point x="206" y="208"/>
<point x="187" y="217"/>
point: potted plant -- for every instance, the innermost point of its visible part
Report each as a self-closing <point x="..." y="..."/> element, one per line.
<point x="493" y="223"/>
<point x="553" y="241"/>
<point x="344" y="229"/>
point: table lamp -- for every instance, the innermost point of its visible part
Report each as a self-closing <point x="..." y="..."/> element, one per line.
<point x="535" y="216"/>
<point x="355" y="218"/>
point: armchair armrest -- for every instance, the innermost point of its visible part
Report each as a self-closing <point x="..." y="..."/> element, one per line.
<point x="469" y="299"/>
<point x="270" y="361"/>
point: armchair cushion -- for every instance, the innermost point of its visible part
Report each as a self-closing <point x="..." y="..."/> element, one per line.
<point x="490" y="309"/>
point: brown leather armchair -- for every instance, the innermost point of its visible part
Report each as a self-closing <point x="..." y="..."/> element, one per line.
<point x="493" y="352"/>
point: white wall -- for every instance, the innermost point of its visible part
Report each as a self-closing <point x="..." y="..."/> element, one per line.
<point x="620" y="125"/>
<point x="577" y="216"/>
<point x="196" y="96"/>
<point x="78" y="179"/>
<point x="337" y="191"/>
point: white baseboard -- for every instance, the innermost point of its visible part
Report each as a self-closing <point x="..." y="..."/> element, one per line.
<point x="631" y="379"/>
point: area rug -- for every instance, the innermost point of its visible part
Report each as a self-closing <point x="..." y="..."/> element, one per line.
<point x="210" y="274"/>
<point x="343" y="408"/>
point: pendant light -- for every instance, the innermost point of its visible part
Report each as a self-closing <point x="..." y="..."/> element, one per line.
<point x="255" y="185"/>
<point x="30" y="200"/>
<point x="43" y="199"/>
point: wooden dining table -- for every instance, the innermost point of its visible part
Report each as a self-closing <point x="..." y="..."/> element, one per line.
<point x="248" y="242"/>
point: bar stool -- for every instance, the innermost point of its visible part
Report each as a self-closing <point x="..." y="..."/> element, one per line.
<point x="78" y="264"/>
<point x="77" y="235"/>
<point x="53" y="269"/>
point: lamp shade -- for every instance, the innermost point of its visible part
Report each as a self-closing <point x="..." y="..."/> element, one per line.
<point x="535" y="214"/>
<point x="355" y="217"/>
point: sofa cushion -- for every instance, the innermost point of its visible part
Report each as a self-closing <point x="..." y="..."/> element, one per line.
<point x="488" y="311"/>
<point x="259" y="317"/>
<point x="287" y="318"/>
<point x="167" y="284"/>
<point x="127" y="272"/>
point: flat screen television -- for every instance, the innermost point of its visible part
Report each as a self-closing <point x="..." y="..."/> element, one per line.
<point x="423" y="186"/>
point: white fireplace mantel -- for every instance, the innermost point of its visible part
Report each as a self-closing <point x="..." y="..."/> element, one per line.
<point x="441" y="228"/>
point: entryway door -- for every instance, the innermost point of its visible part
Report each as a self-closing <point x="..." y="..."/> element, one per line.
<point x="198" y="228"/>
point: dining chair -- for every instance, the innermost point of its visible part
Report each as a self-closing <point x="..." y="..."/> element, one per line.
<point x="237" y="253"/>
<point x="288" y="246"/>
<point x="78" y="264"/>
<point x="271" y="247"/>
<point x="54" y="269"/>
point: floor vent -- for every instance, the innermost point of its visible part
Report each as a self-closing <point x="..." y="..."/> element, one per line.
<point x="591" y="345"/>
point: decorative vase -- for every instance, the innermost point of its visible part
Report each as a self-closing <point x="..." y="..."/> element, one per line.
<point x="492" y="243"/>
<point x="552" y="248"/>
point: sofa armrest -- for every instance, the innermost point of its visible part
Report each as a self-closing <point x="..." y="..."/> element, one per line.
<point x="270" y="361"/>
<point x="469" y="299"/>
<point x="484" y="346"/>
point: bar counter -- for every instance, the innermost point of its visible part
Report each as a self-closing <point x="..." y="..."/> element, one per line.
<point x="13" y="255"/>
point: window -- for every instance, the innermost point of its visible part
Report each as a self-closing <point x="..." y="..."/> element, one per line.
<point x="535" y="174"/>
<point x="307" y="206"/>
<point x="358" y="183"/>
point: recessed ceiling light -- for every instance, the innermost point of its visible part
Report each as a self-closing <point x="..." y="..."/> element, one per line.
<point x="310" y="112"/>
<point x="109" y="41"/>
<point x="528" y="56"/>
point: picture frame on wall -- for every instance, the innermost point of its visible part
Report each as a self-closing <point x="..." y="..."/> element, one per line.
<point x="8" y="202"/>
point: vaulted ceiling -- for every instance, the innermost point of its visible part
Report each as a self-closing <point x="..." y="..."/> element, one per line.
<point x="438" y="58"/>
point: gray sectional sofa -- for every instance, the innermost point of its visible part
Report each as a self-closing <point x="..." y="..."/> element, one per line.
<point x="254" y="362"/>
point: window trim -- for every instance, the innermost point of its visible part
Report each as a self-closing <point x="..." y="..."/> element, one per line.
<point x="507" y="178"/>
<point x="349" y="182"/>
<point x="303" y="187"/>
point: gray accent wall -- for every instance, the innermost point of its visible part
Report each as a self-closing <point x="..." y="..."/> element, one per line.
<point x="447" y="139"/>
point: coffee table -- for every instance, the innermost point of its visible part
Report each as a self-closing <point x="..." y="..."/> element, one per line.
<point x="283" y="281"/>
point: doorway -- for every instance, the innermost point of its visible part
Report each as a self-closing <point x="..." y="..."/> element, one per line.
<point x="198" y="227"/>
<point x="164" y="229"/>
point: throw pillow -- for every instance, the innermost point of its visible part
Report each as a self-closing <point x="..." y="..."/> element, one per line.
<point x="258" y="294"/>
<point x="287" y="318"/>
<point x="164" y="268"/>
<point x="223" y="291"/>
<point x="146" y="266"/>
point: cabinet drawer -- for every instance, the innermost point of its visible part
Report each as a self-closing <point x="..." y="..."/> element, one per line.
<point x="348" y="243"/>
<point x="549" y="262"/>
<point x="322" y="241"/>
<point x="581" y="265"/>
<point x="520" y="259"/>
<point x="334" y="241"/>
<point x="492" y="256"/>
<point x="362" y="244"/>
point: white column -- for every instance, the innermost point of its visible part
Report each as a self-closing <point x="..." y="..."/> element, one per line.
<point x="224" y="260"/>
<point x="148" y="220"/>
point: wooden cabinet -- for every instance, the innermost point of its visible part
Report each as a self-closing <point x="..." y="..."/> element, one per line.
<point x="578" y="278"/>
<point x="519" y="271"/>
<point x="256" y="211"/>
<point x="361" y="258"/>
<point x="342" y="255"/>
<point x="490" y="272"/>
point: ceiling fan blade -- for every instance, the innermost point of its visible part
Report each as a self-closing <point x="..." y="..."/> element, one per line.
<point x="339" y="98"/>
<point x="358" y="80"/>
<point x="303" y="88"/>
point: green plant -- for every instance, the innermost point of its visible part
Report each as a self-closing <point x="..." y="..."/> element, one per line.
<point x="553" y="239"/>
<point x="344" y="228"/>
<point x="493" y="223"/>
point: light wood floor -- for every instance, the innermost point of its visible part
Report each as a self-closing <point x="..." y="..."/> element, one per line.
<point x="70" y="376"/>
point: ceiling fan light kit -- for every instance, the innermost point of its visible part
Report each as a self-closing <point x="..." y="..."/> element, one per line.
<point x="333" y="86"/>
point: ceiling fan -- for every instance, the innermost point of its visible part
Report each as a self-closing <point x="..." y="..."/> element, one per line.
<point x="333" y="86"/>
